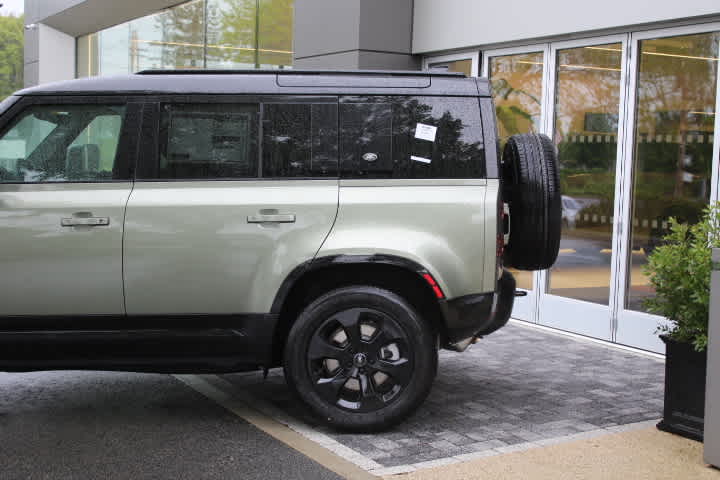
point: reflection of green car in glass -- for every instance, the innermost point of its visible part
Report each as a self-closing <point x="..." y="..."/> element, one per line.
<point x="340" y="225"/>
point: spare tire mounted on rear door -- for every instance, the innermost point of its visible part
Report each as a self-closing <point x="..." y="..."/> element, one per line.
<point x="531" y="187"/>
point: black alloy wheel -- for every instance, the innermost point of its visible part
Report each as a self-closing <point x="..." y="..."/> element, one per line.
<point x="361" y="358"/>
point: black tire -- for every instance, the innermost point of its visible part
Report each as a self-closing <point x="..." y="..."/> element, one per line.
<point x="351" y="395"/>
<point x="531" y="187"/>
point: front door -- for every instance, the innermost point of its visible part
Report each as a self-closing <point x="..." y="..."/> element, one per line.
<point x="64" y="183"/>
<point x="235" y="196"/>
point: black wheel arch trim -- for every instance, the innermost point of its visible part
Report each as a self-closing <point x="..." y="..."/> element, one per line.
<point x="334" y="260"/>
<point x="462" y="317"/>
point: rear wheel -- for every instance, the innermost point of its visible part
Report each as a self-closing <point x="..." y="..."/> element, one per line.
<point x="361" y="358"/>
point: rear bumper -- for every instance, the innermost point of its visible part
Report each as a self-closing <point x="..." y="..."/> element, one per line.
<point x="479" y="314"/>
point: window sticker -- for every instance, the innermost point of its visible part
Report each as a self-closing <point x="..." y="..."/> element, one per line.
<point x="420" y="159"/>
<point x="425" y="132"/>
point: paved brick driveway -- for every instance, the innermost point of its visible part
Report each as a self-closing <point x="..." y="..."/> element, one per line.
<point x="516" y="388"/>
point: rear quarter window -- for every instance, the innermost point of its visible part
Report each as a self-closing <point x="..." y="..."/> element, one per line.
<point x="411" y="137"/>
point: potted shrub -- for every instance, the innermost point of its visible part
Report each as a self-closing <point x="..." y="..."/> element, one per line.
<point x="679" y="270"/>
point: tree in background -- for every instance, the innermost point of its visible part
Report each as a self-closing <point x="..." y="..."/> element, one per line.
<point x="11" y="54"/>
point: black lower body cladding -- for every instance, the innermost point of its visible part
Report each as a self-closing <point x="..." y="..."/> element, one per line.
<point x="531" y="187"/>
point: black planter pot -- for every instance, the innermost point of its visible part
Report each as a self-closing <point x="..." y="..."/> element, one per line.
<point x="684" y="409"/>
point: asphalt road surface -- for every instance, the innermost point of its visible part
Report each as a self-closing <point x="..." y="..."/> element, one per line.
<point x="102" y="425"/>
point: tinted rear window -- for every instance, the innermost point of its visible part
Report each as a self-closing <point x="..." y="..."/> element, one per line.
<point x="208" y="141"/>
<point x="299" y="140"/>
<point x="411" y="137"/>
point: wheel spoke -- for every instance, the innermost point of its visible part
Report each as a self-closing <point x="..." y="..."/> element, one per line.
<point x="385" y="334"/>
<point x="379" y="340"/>
<point x="320" y="348"/>
<point x="398" y="370"/>
<point x="329" y="388"/>
<point x="370" y="399"/>
<point x="350" y="320"/>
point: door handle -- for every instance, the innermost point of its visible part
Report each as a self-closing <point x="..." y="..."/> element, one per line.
<point x="85" y="221"/>
<point x="271" y="218"/>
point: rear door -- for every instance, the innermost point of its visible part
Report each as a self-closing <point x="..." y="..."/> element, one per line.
<point x="231" y="195"/>
<point x="64" y="183"/>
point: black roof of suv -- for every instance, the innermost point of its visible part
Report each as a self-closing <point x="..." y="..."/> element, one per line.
<point x="293" y="82"/>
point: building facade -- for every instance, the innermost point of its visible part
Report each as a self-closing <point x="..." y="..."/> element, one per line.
<point x="628" y="92"/>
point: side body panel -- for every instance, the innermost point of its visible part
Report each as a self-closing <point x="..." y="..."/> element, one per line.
<point x="50" y="269"/>
<point x="443" y="225"/>
<point x="189" y="247"/>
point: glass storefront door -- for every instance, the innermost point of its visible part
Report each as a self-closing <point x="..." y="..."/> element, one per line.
<point x="673" y="148"/>
<point x="517" y="81"/>
<point x="588" y="94"/>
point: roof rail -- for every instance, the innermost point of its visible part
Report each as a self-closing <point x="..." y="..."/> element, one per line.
<point x="415" y="73"/>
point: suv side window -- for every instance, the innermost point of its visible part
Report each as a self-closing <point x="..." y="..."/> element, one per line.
<point x="59" y="143"/>
<point x="208" y="141"/>
<point x="411" y="137"/>
<point x="299" y="140"/>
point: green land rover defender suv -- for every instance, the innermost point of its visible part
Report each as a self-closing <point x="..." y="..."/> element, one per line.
<point x="341" y="225"/>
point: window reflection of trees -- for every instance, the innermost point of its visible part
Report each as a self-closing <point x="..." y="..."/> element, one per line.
<point x="517" y="87"/>
<point x="299" y="140"/>
<point x="586" y="126"/>
<point x="676" y="91"/>
<point x="676" y="102"/>
<point x="196" y="34"/>
<point x="386" y="127"/>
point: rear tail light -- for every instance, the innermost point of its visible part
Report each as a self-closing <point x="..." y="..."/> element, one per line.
<point x="433" y="284"/>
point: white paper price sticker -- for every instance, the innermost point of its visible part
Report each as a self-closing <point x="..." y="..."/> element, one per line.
<point x="425" y="132"/>
<point x="420" y="159"/>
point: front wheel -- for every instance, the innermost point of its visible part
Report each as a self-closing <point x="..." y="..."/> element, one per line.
<point x="361" y="358"/>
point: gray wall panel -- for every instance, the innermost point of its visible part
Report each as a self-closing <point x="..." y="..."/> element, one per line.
<point x="326" y="26"/>
<point x="712" y="386"/>
<point x="386" y="25"/>
<point x="31" y="49"/>
<point x="449" y="24"/>
<point x="38" y="10"/>
<point x="31" y="74"/>
<point x="80" y="17"/>
<point x="360" y="34"/>
<point x="387" y="61"/>
<point x="345" y="60"/>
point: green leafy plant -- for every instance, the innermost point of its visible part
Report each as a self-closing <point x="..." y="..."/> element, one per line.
<point x="679" y="270"/>
<point x="11" y="54"/>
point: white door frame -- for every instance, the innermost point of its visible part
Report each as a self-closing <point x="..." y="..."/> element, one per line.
<point x="473" y="55"/>
<point x="633" y="327"/>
